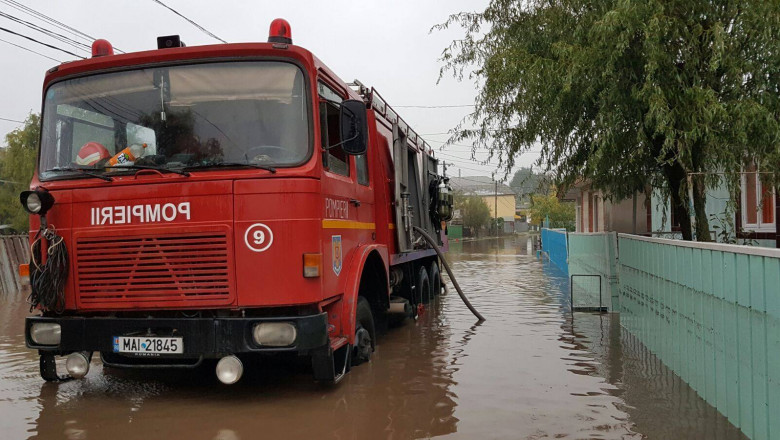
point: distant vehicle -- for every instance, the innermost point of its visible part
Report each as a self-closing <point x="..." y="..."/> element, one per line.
<point x="222" y="202"/>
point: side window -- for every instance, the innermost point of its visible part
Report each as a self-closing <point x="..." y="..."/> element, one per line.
<point x="361" y="166"/>
<point x="138" y="134"/>
<point x="335" y="159"/>
<point x="86" y="132"/>
<point x="757" y="204"/>
<point x="79" y="126"/>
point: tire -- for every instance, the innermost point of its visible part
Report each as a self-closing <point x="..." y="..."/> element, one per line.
<point x="424" y="286"/>
<point x="435" y="276"/>
<point x="365" y="333"/>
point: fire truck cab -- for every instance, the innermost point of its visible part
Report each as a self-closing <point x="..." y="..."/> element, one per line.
<point x="221" y="202"/>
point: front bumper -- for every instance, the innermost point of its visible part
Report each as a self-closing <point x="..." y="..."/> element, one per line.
<point x="202" y="337"/>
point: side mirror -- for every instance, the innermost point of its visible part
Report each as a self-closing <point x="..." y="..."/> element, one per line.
<point x="354" y="127"/>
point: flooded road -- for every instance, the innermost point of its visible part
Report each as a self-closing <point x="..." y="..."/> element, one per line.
<point x="532" y="370"/>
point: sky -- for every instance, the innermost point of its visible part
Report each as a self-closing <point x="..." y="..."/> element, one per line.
<point x="384" y="44"/>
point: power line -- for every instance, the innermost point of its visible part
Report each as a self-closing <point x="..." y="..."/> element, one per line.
<point x="190" y="21"/>
<point x="40" y="42"/>
<point x="29" y="50"/>
<point x="466" y="168"/>
<point x="449" y="133"/>
<point x="433" y="106"/>
<point x="55" y="35"/>
<point x="54" y="22"/>
<point x="13" y="120"/>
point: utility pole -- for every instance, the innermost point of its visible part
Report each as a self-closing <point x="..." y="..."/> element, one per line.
<point x="495" y="206"/>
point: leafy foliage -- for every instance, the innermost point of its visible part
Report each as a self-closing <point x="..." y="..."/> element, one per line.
<point x="526" y="182"/>
<point x="561" y="214"/>
<point x="473" y="210"/>
<point x="17" y="165"/>
<point x="629" y="95"/>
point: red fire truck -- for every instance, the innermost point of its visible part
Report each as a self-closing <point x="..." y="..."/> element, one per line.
<point x="220" y="202"/>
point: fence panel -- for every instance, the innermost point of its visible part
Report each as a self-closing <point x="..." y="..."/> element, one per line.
<point x="594" y="254"/>
<point x="554" y="245"/>
<point x="14" y="250"/>
<point x="711" y="312"/>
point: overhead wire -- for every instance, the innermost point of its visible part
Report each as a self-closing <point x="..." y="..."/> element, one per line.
<point x="204" y="30"/>
<point x="41" y="42"/>
<point x="29" y="50"/>
<point x="52" y="21"/>
<point x="12" y="120"/>
<point x="434" y="106"/>
<point x="57" y="36"/>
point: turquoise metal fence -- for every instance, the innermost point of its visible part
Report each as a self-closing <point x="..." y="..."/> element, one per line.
<point x="554" y="245"/>
<point x="594" y="255"/>
<point x="711" y="312"/>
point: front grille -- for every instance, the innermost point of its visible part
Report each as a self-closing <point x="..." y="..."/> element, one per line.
<point x="176" y="267"/>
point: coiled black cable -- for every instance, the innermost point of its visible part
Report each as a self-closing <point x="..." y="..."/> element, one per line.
<point x="47" y="279"/>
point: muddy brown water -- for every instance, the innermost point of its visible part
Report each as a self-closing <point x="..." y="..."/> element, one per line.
<point x="533" y="370"/>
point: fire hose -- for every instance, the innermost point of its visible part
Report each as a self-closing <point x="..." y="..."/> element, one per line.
<point x="465" y="300"/>
<point x="47" y="279"/>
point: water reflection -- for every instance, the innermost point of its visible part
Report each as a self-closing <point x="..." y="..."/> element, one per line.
<point x="400" y="394"/>
<point x="660" y="404"/>
<point x="534" y="369"/>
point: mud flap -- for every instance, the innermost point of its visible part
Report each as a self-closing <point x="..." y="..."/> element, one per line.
<point x="331" y="366"/>
<point x="48" y="369"/>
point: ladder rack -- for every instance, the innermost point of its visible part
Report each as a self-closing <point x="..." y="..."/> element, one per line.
<point x="378" y="103"/>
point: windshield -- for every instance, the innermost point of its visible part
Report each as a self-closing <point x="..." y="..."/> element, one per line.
<point x="176" y="117"/>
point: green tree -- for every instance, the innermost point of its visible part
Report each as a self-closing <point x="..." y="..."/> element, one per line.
<point x="17" y="164"/>
<point x="526" y="182"/>
<point x="561" y="214"/>
<point x="473" y="210"/>
<point x="628" y="95"/>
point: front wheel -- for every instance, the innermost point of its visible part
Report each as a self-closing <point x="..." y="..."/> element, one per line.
<point x="364" y="332"/>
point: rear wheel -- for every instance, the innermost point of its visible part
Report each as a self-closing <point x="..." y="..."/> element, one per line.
<point x="435" y="279"/>
<point x="424" y="285"/>
<point x="364" y="333"/>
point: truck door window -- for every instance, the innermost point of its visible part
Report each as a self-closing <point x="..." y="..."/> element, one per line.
<point x="335" y="159"/>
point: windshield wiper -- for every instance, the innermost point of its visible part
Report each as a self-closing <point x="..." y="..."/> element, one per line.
<point x="233" y="164"/>
<point x="83" y="171"/>
<point x="149" y="167"/>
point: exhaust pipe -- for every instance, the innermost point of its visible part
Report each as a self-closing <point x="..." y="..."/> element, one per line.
<point x="400" y="306"/>
<point x="229" y="370"/>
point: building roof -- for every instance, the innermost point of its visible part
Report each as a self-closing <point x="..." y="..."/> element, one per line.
<point x="479" y="186"/>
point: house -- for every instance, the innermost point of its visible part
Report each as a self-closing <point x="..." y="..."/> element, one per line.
<point x="499" y="198"/>
<point x="753" y="222"/>
<point x="596" y="213"/>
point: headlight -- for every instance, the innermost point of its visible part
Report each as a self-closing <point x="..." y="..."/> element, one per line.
<point x="274" y="334"/>
<point x="46" y="333"/>
<point x="33" y="203"/>
<point x="36" y="202"/>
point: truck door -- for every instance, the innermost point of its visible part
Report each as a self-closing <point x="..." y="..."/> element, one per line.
<point x="347" y="196"/>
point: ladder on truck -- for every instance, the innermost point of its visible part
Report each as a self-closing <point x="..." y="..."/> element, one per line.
<point x="414" y="163"/>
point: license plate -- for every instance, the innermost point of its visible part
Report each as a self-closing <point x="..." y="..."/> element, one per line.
<point x="148" y="345"/>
